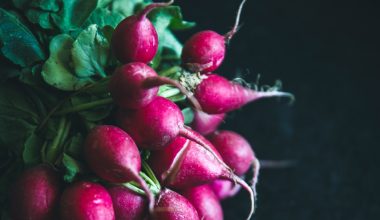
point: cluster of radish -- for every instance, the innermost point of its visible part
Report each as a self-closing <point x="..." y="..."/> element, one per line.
<point x="188" y="170"/>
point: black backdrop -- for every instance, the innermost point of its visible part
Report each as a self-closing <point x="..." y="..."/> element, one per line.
<point x="326" y="53"/>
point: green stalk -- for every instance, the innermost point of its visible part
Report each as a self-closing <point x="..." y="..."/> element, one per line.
<point x="150" y="173"/>
<point x="134" y="188"/>
<point x="52" y="151"/>
<point x="85" y="106"/>
<point x="170" y="71"/>
<point x="153" y="187"/>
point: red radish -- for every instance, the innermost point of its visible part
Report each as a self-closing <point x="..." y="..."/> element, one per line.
<point x="224" y="189"/>
<point x="154" y="126"/>
<point x="204" y="51"/>
<point x="184" y="163"/>
<point x="236" y="152"/>
<point x="173" y="206"/>
<point x="205" y="202"/>
<point x="127" y="204"/>
<point x="134" y="85"/>
<point x="135" y="38"/>
<point x="217" y="95"/>
<point x="86" y="200"/>
<point x="204" y="123"/>
<point x="35" y="194"/>
<point x="113" y="155"/>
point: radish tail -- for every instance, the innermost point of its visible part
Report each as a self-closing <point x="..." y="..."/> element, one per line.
<point x="232" y="32"/>
<point x="245" y="186"/>
<point x="146" y="189"/>
<point x="277" y="164"/>
<point x="152" y="6"/>
<point x="199" y="139"/>
<point x="256" y="169"/>
<point x="161" y="80"/>
<point x="254" y="95"/>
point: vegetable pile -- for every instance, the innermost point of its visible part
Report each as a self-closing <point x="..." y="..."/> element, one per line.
<point x="104" y="114"/>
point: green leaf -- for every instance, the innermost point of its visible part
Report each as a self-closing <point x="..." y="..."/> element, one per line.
<point x="73" y="14"/>
<point x="164" y="20"/>
<point x="75" y="145"/>
<point x="56" y="70"/>
<point x="90" y="52"/>
<point x="19" y="117"/>
<point x="103" y="17"/>
<point x="188" y="115"/>
<point x="17" y="42"/>
<point x="126" y="7"/>
<point x="32" y="150"/>
<point x="72" y="168"/>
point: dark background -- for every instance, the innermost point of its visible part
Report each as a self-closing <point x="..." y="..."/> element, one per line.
<point x="327" y="54"/>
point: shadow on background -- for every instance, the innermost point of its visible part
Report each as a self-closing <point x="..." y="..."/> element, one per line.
<point x="327" y="54"/>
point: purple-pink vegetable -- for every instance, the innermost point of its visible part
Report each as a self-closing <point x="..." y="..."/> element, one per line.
<point x="224" y="189"/>
<point x="218" y="95"/>
<point x="86" y="200"/>
<point x="113" y="155"/>
<point x="205" y="50"/>
<point x="205" y="123"/>
<point x="135" y="85"/>
<point x="154" y="126"/>
<point x="127" y="204"/>
<point x="205" y="202"/>
<point x="184" y="163"/>
<point x="35" y="194"/>
<point x="173" y="206"/>
<point x="236" y="152"/>
<point x="135" y="38"/>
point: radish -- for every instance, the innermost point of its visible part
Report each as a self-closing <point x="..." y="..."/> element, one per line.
<point x="134" y="85"/>
<point x="135" y="38"/>
<point x="204" y="123"/>
<point x="86" y="200"/>
<point x="154" y="126"/>
<point x="184" y="163"/>
<point x="127" y="204"/>
<point x="224" y="189"/>
<point x="113" y="155"/>
<point x="204" y="51"/>
<point x="236" y="152"/>
<point x="35" y="194"/>
<point x="205" y="202"/>
<point x="173" y="206"/>
<point x="217" y="95"/>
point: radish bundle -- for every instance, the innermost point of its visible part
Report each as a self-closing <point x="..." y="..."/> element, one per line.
<point x="105" y="115"/>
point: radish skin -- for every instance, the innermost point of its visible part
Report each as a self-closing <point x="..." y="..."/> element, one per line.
<point x="205" y="123"/>
<point x="135" y="38"/>
<point x="113" y="155"/>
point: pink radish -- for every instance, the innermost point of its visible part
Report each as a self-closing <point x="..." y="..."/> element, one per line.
<point x="86" y="200"/>
<point x="204" y="123"/>
<point x="135" y="38"/>
<point x="134" y="85"/>
<point x="205" y="202"/>
<point x="224" y="189"/>
<point x="173" y="206"/>
<point x="127" y="204"/>
<point x="35" y="194"/>
<point x="154" y="126"/>
<point x="204" y="51"/>
<point x="113" y="155"/>
<point x="217" y="95"/>
<point x="236" y="152"/>
<point x="184" y="163"/>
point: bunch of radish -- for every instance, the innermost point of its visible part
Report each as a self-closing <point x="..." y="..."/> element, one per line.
<point x="149" y="164"/>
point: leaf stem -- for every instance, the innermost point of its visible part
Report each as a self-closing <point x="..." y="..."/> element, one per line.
<point x="150" y="173"/>
<point x="169" y="71"/>
<point x="53" y="150"/>
<point x="134" y="188"/>
<point x="85" y="106"/>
